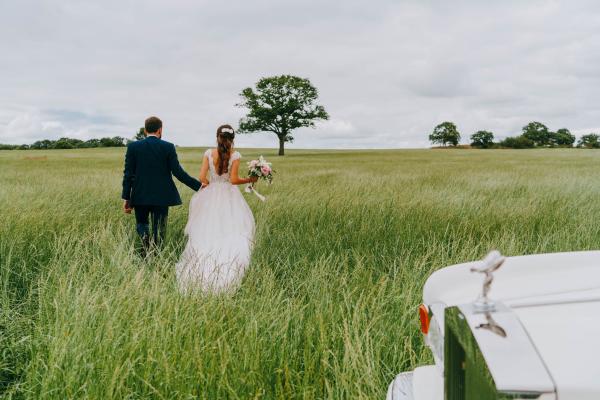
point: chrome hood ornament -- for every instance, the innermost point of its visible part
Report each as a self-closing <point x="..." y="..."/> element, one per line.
<point x="487" y="266"/>
<point x="491" y="325"/>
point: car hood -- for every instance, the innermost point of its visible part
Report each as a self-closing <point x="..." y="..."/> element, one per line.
<point x="557" y="299"/>
<point x="519" y="279"/>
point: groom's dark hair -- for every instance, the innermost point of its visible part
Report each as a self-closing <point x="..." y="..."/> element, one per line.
<point x="152" y="124"/>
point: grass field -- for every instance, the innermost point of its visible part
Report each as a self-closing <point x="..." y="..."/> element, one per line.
<point x="328" y="307"/>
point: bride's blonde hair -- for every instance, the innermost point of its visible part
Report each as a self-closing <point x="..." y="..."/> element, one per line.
<point x="225" y="136"/>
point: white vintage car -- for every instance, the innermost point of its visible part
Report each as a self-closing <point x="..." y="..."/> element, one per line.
<point x="535" y="336"/>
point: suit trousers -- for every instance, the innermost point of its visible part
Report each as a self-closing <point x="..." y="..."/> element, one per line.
<point x="155" y="214"/>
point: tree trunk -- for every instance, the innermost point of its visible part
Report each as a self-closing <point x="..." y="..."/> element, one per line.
<point x="281" y="142"/>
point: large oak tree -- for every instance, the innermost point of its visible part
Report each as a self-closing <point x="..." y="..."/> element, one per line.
<point x="280" y="104"/>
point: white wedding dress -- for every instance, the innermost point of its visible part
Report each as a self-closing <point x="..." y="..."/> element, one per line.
<point x="220" y="232"/>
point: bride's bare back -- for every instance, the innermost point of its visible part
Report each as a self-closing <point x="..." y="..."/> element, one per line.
<point x="210" y="166"/>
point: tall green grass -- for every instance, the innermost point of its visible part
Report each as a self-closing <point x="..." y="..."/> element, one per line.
<point x="327" y="310"/>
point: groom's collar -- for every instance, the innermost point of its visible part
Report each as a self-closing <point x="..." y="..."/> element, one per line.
<point x="154" y="136"/>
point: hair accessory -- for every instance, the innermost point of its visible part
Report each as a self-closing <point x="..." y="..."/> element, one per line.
<point x="227" y="130"/>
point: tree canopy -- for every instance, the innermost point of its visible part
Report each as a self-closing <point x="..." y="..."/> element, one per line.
<point x="517" y="142"/>
<point x="445" y="133"/>
<point x="590" y="141"/>
<point x="562" y="138"/>
<point x="141" y="134"/>
<point x="537" y="132"/>
<point x="482" y="139"/>
<point x="280" y="104"/>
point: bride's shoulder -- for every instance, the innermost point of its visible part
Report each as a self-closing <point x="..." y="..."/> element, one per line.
<point x="207" y="153"/>
<point x="236" y="155"/>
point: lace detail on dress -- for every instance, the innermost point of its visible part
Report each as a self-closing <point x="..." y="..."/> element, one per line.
<point x="214" y="177"/>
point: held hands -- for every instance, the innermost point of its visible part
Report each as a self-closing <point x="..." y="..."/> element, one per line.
<point x="127" y="207"/>
<point x="252" y="179"/>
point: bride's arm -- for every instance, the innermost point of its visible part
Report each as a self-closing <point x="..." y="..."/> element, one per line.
<point x="233" y="175"/>
<point x="204" y="171"/>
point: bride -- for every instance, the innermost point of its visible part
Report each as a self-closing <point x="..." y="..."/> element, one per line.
<point x="220" y="226"/>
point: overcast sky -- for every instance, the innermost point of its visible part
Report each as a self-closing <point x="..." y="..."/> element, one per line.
<point x="387" y="71"/>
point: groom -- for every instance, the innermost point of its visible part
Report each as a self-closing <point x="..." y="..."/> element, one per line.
<point x="148" y="186"/>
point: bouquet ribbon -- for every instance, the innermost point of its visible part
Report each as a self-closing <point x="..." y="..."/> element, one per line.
<point x="250" y="188"/>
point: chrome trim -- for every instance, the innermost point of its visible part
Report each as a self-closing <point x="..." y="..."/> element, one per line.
<point x="401" y="387"/>
<point x="512" y="359"/>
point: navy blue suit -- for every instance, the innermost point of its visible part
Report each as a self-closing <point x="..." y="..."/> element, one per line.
<point x="147" y="179"/>
<point x="148" y="184"/>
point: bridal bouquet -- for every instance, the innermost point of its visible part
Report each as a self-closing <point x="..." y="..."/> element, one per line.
<point x="262" y="170"/>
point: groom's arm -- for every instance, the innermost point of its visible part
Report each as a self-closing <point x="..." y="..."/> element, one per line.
<point x="128" y="178"/>
<point x="180" y="174"/>
<point x="128" y="174"/>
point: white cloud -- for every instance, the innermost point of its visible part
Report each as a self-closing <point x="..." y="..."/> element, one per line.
<point x="23" y="127"/>
<point x="337" y="126"/>
<point x="387" y="71"/>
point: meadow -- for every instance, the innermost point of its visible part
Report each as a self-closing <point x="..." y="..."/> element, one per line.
<point x="327" y="310"/>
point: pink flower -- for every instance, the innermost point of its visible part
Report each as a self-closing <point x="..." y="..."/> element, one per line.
<point x="265" y="169"/>
<point x="253" y="163"/>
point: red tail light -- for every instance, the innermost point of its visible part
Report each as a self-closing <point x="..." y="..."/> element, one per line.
<point x="424" y="318"/>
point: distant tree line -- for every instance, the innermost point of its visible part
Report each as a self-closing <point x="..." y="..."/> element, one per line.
<point x="533" y="135"/>
<point x="68" y="143"/>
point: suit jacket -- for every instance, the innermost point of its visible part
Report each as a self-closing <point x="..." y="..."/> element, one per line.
<point x="147" y="179"/>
